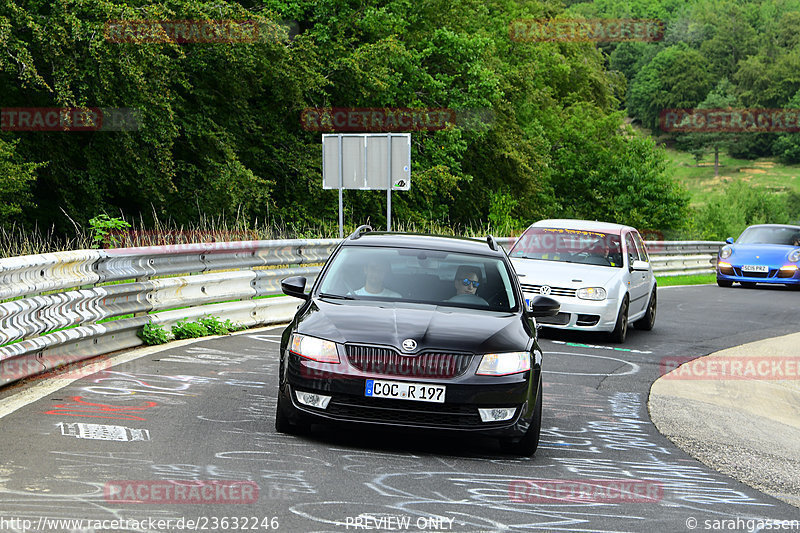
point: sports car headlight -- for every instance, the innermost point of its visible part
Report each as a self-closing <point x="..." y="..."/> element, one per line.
<point x="504" y="364"/>
<point x="315" y="349"/>
<point x="591" y="293"/>
<point x="794" y="256"/>
<point x="725" y="252"/>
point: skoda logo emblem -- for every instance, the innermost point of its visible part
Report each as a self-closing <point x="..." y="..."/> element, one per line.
<point x="545" y="290"/>
<point x="409" y="344"/>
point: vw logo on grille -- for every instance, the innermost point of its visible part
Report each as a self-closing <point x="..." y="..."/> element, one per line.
<point x="409" y="344"/>
<point x="545" y="290"/>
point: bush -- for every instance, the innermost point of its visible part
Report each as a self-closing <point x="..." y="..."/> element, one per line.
<point x="189" y="330"/>
<point x="743" y="205"/>
<point x="153" y="334"/>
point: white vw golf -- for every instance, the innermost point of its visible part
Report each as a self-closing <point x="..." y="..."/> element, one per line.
<point x="599" y="272"/>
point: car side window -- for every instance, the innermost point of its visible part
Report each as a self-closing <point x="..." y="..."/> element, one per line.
<point x="633" y="255"/>
<point x="640" y="245"/>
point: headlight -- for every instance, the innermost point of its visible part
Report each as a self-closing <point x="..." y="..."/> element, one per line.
<point x="725" y="252"/>
<point x="503" y="364"/>
<point x="794" y="256"/>
<point x="315" y="349"/>
<point x="591" y="293"/>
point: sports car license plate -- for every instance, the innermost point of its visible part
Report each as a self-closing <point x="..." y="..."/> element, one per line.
<point x="402" y="390"/>
<point x="755" y="268"/>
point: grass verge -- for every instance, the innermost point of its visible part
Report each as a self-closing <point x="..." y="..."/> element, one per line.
<point x="692" y="279"/>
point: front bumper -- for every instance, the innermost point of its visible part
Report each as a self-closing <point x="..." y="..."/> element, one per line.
<point x="581" y="315"/>
<point x="735" y="274"/>
<point x="464" y="396"/>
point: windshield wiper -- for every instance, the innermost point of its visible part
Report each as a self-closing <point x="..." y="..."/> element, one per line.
<point x="335" y="296"/>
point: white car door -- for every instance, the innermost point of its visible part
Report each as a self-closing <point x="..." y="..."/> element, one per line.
<point x="638" y="286"/>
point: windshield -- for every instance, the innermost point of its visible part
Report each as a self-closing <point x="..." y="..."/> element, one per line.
<point x="421" y="276"/>
<point x="770" y="235"/>
<point x="569" y="246"/>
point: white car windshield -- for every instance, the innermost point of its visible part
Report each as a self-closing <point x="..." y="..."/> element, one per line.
<point x="420" y="276"/>
<point x="569" y="246"/>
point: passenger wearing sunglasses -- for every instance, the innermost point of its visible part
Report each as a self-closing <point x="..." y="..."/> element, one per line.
<point x="467" y="281"/>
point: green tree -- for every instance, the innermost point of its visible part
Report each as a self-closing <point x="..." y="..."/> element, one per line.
<point x="787" y="145"/>
<point x="698" y="143"/>
<point x="605" y="171"/>
<point x="675" y="78"/>
<point x="16" y="180"/>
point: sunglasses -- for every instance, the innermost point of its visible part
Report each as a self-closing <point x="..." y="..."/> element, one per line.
<point x="466" y="282"/>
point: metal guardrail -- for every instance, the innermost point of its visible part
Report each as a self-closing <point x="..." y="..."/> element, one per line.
<point x="53" y="304"/>
<point x="671" y="258"/>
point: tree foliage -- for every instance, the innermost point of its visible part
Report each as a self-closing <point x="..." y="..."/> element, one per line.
<point x="219" y="124"/>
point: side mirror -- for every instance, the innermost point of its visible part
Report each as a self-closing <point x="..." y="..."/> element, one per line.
<point x="641" y="266"/>
<point x="542" y="306"/>
<point x="295" y="286"/>
<point x="729" y="240"/>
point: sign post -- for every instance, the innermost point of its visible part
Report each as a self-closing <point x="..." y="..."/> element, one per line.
<point x="366" y="161"/>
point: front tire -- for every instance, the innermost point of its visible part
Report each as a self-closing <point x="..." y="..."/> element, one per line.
<point x="647" y="322"/>
<point x="620" y="332"/>
<point x="724" y="283"/>
<point x="282" y="422"/>
<point x="527" y="445"/>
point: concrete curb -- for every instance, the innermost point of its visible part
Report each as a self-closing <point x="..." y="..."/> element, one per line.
<point x="748" y="429"/>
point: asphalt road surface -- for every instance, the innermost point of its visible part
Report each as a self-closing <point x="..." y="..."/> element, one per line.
<point x="96" y="450"/>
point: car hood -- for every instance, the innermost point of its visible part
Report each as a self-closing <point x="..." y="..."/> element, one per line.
<point x="432" y="327"/>
<point x="560" y="274"/>
<point x="759" y="254"/>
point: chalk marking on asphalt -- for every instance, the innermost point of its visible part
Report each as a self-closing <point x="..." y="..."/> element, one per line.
<point x="634" y="367"/>
<point x="50" y="385"/>
<point x="599" y="347"/>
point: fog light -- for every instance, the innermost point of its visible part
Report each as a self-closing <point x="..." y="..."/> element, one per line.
<point x="725" y="268"/>
<point x="313" y="400"/>
<point x="787" y="271"/>
<point x="497" y="414"/>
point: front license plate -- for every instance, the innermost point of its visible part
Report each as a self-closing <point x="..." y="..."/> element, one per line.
<point x="755" y="268"/>
<point x="401" y="390"/>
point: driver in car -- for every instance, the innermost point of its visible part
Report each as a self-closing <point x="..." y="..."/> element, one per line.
<point x="375" y="273"/>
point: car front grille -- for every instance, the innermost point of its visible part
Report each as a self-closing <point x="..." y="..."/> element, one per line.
<point x="554" y="291"/>
<point x="406" y="412"/>
<point x="561" y="319"/>
<point x="771" y="274"/>
<point x="386" y="361"/>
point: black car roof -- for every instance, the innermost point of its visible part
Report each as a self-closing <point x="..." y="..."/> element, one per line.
<point x="426" y="242"/>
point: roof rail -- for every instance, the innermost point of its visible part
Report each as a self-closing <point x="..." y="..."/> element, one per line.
<point x="360" y="231"/>
<point x="492" y="243"/>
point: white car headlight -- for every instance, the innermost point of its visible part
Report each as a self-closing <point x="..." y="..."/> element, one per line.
<point x="725" y="252"/>
<point x="504" y="364"/>
<point x="315" y="349"/>
<point x="591" y="293"/>
<point x="794" y="256"/>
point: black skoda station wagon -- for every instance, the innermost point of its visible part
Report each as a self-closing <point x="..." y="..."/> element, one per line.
<point x="417" y="331"/>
